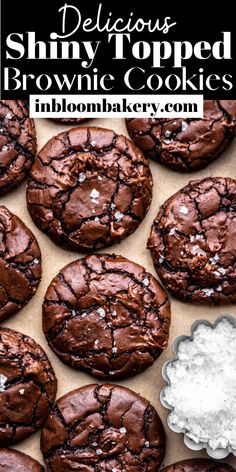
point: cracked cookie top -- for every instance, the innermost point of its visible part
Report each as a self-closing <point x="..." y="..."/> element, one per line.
<point x="17" y="143"/>
<point x="193" y="242"/>
<point x="20" y="264"/>
<point x="198" y="465"/>
<point x="27" y="386"/>
<point x="107" y="315"/>
<point x="89" y="188"/>
<point x="101" y="428"/>
<point x="186" y="145"/>
<point x="15" y="461"/>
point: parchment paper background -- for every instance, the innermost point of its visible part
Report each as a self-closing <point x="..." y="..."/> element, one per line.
<point x="28" y="321"/>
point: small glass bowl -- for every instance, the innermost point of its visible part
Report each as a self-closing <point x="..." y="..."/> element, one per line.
<point x="190" y="443"/>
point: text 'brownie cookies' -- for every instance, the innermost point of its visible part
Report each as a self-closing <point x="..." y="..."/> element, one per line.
<point x="103" y="428"/>
<point x="15" y="461"/>
<point x="27" y="386"/>
<point x="189" y="144"/>
<point x="17" y="143"/>
<point x="107" y="315"/>
<point x="193" y="242"/>
<point x="89" y="188"/>
<point x="20" y="263"/>
<point x="198" y="465"/>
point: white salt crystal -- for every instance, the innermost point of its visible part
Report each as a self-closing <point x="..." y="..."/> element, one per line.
<point x="214" y="259"/>
<point x="146" y="282"/>
<point x="123" y="430"/>
<point x="101" y="312"/>
<point x="184" y="126"/>
<point x="208" y="291"/>
<point x="3" y="380"/>
<point x="118" y="215"/>
<point x="81" y="177"/>
<point x="199" y="236"/>
<point x="183" y="210"/>
<point x="94" y="194"/>
<point x="202" y="390"/>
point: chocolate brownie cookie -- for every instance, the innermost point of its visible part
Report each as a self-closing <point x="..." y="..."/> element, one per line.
<point x="89" y="188"/>
<point x="103" y="428"/>
<point x="15" y="461"/>
<point x="20" y="264"/>
<point x="107" y="315"/>
<point x="27" y="386"/>
<point x="193" y="242"/>
<point x="186" y="145"/>
<point x="198" y="465"/>
<point x="17" y="143"/>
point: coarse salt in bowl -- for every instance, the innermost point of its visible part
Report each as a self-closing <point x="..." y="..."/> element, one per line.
<point x="201" y="390"/>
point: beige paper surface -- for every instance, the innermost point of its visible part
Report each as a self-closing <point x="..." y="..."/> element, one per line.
<point x="28" y="321"/>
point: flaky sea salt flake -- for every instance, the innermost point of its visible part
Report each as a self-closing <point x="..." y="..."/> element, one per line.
<point x="184" y="126"/>
<point x="146" y="282"/>
<point x="94" y="194"/>
<point x="214" y="259"/>
<point x="81" y="177"/>
<point x="101" y="312"/>
<point x="184" y="210"/>
<point x="123" y="430"/>
<point x="208" y="291"/>
<point x="3" y="380"/>
<point x="118" y="215"/>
